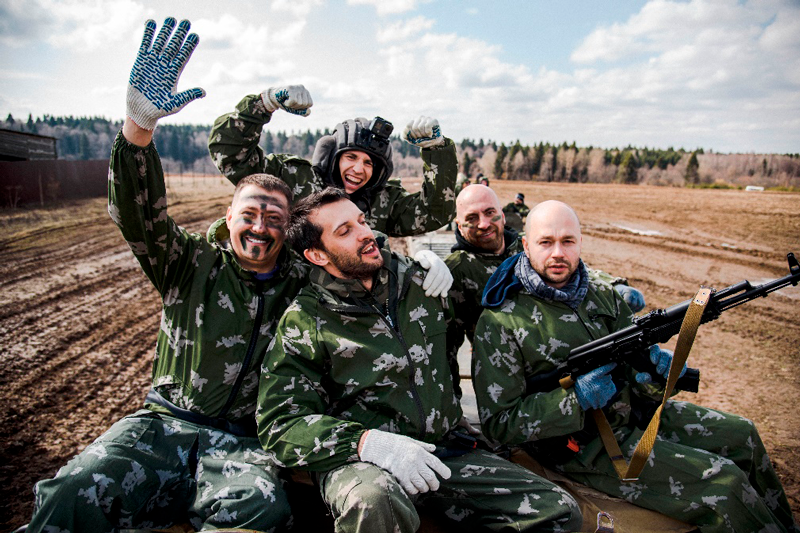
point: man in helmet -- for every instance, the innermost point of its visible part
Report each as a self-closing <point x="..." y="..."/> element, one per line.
<point x="356" y="157"/>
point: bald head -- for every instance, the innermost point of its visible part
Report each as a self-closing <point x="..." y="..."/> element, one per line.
<point x="552" y="211"/>
<point x="553" y="241"/>
<point x="473" y="194"/>
<point x="480" y="218"/>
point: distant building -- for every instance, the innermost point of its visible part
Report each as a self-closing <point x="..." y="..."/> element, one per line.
<point x="21" y="146"/>
<point x="30" y="171"/>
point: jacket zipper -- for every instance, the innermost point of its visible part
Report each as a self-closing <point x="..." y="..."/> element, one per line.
<point x="411" y="367"/>
<point x="251" y="348"/>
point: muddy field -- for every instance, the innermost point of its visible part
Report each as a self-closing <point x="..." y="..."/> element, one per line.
<point x="78" y="320"/>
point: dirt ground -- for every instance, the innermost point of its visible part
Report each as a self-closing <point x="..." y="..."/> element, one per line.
<point x="78" y="320"/>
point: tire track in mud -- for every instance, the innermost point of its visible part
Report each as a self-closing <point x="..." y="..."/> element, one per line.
<point x="78" y="323"/>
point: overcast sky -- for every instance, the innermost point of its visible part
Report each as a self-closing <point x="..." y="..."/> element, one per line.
<point x="716" y="74"/>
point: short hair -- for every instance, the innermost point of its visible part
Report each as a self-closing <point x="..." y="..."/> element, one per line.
<point x="267" y="182"/>
<point x="302" y="233"/>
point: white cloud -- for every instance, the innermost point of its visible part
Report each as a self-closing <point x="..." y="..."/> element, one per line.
<point x="388" y="7"/>
<point x="90" y="25"/>
<point x="404" y="29"/>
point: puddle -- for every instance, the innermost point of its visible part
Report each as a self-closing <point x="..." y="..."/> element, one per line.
<point x="647" y="232"/>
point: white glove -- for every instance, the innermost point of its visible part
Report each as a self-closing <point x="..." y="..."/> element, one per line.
<point x="154" y="78"/>
<point x="294" y="99"/>
<point x="423" y="132"/>
<point x="438" y="279"/>
<point x="410" y="461"/>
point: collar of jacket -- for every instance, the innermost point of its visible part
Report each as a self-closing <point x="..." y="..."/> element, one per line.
<point x="335" y="292"/>
<point x="510" y="237"/>
<point x="219" y="236"/>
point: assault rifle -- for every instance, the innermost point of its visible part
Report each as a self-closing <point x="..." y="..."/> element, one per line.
<point x="631" y="344"/>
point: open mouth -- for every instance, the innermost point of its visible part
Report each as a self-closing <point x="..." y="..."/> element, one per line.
<point x="352" y="181"/>
<point x="370" y="248"/>
<point x="257" y="241"/>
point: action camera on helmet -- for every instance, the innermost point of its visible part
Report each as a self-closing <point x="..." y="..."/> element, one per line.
<point x="376" y="137"/>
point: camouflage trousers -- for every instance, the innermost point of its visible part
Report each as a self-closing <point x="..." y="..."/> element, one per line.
<point x="707" y="468"/>
<point x="150" y="471"/>
<point x="484" y="493"/>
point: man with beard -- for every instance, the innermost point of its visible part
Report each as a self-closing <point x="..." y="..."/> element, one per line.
<point x="708" y="468"/>
<point x="356" y="388"/>
<point x="356" y="157"/>
<point x="483" y="241"/>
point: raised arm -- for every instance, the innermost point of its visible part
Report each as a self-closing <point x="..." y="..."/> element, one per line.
<point x="435" y="204"/>
<point x="137" y="200"/>
<point x="233" y="141"/>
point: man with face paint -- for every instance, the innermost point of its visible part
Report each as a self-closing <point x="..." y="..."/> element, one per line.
<point x="357" y="389"/>
<point x="483" y="241"/>
<point x="356" y="157"/>
<point x="192" y="453"/>
<point x="707" y="468"/>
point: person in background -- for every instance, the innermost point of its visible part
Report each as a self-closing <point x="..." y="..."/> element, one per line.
<point x="516" y="211"/>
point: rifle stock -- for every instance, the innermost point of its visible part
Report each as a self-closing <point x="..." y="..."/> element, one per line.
<point x="630" y="345"/>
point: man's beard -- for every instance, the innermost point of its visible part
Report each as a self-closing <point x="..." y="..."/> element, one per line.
<point x="488" y="246"/>
<point x="552" y="281"/>
<point x="353" y="267"/>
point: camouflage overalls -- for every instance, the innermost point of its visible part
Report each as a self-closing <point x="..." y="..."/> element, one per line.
<point x="707" y="468"/>
<point x="345" y="360"/>
<point x="193" y="453"/>
<point x="233" y="144"/>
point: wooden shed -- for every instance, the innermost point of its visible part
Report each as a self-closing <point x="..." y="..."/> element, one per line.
<point x="30" y="172"/>
<point x="22" y="146"/>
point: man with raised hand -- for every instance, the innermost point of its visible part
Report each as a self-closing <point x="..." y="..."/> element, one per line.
<point x="707" y="468"/>
<point x="356" y="157"/>
<point x="356" y="388"/>
<point x="192" y="454"/>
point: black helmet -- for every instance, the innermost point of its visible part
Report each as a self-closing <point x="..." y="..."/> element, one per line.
<point x="370" y="137"/>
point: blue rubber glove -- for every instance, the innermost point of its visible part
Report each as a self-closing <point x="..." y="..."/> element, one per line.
<point x="663" y="361"/>
<point x="595" y="388"/>
<point x="154" y="78"/>
<point x="633" y="297"/>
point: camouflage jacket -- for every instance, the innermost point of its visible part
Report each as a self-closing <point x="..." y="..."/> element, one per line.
<point x="217" y="319"/>
<point x="471" y="268"/>
<point x="345" y="360"/>
<point x="527" y="335"/>
<point x="233" y="144"/>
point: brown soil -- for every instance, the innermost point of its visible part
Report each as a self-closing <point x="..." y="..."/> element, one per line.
<point x="78" y="319"/>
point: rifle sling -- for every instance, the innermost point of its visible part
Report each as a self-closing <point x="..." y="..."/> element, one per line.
<point x="630" y="472"/>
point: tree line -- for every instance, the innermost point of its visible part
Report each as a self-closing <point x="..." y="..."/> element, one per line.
<point x="183" y="149"/>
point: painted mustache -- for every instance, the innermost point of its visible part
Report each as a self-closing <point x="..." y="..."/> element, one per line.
<point x="268" y="241"/>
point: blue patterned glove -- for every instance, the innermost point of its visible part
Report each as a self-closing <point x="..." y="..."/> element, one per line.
<point x="423" y="132"/>
<point x="294" y="99"/>
<point x="663" y="361"/>
<point x="154" y="78"/>
<point x="633" y="297"/>
<point x="595" y="388"/>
